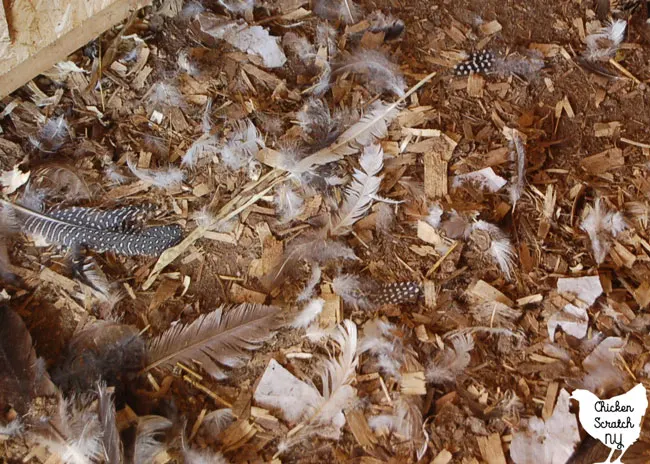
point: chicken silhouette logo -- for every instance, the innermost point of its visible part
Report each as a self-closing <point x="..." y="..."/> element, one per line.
<point x="616" y="422"/>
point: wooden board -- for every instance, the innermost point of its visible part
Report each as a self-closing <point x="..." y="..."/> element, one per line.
<point x="36" y="34"/>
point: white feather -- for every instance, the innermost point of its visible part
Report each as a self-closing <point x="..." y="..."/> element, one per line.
<point x="52" y="134"/>
<point x="254" y="40"/>
<point x="308" y="314"/>
<point x="501" y="249"/>
<point x="238" y="6"/>
<point x="601" y="225"/>
<point x="13" y="428"/>
<point x="203" y="457"/>
<point x="78" y="437"/>
<point x="216" y="422"/>
<point x="452" y="361"/>
<point x="206" y="145"/>
<point x="434" y="218"/>
<point x="114" y="175"/>
<point x="164" y="95"/>
<point x="147" y="447"/>
<point x="380" y="341"/>
<point x="165" y="178"/>
<point x="604" y="44"/>
<point x="361" y="193"/>
<point x="337" y="10"/>
<point x="289" y="204"/>
<point x="372" y="126"/>
<point x="314" y="279"/>
<point x="321" y="412"/>
<point x="242" y="146"/>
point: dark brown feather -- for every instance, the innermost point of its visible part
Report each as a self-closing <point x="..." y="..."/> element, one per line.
<point x="21" y="377"/>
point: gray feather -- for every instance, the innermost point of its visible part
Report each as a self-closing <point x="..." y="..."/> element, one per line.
<point x="222" y="338"/>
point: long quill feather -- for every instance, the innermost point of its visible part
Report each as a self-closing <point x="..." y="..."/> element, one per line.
<point x="105" y="231"/>
<point x="222" y="338"/>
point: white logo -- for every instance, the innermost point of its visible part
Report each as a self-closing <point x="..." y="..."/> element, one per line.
<point x="616" y="422"/>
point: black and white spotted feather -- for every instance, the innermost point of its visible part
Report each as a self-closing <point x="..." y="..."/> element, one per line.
<point x="120" y="230"/>
<point x="367" y="293"/>
<point x="478" y="62"/>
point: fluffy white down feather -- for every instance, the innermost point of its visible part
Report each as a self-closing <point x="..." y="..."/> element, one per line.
<point x="604" y="44"/>
<point x="309" y="313"/>
<point x="501" y="249"/>
<point x="601" y="225"/>
<point x="289" y="204"/>
<point x="452" y="361"/>
<point x="166" y="178"/>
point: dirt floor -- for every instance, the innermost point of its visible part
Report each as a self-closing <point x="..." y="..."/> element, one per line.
<point x="454" y="375"/>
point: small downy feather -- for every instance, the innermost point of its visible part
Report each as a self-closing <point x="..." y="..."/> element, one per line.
<point x="604" y="44"/>
<point x="289" y="204"/>
<point x="165" y="178"/>
<point x="496" y="243"/>
<point x="215" y="422"/>
<point x="238" y="6"/>
<point x="205" y="456"/>
<point x="601" y="225"/>
<point x="147" y="446"/>
<point x="242" y="145"/>
<point x="52" y="135"/>
<point x="206" y="145"/>
<point x="308" y="314"/>
<point x="452" y="361"/>
<point x="380" y="340"/>
<point x="434" y="218"/>
<point x="314" y="280"/>
<point x="163" y="96"/>
<point x="74" y="434"/>
<point x="111" y="442"/>
<point x="380" y="73"/>
<point x="362" y="192"/>
<point x="112" y="230"/>
<point x="372" y="126"/>
<point x="518" y="154"/>
<point x="337" y="10"/>
<point x="313" y="247"/>
<point x="406" y="421"/>
<point x="391" y="27"/>
<point x="223" y="338"/>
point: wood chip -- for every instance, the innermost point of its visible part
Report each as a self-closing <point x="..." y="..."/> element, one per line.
<point x="603" y="161"/>
<point x="491" y="449"/>
<point x="239" y="294"/>
<point x="359" y="427"/>
<point x="486" y="292"/>
<point x="490" y="28"/>
<point x="549" y="402"/>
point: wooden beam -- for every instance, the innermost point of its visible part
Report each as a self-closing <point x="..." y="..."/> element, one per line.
<point x="41" y="33"/>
